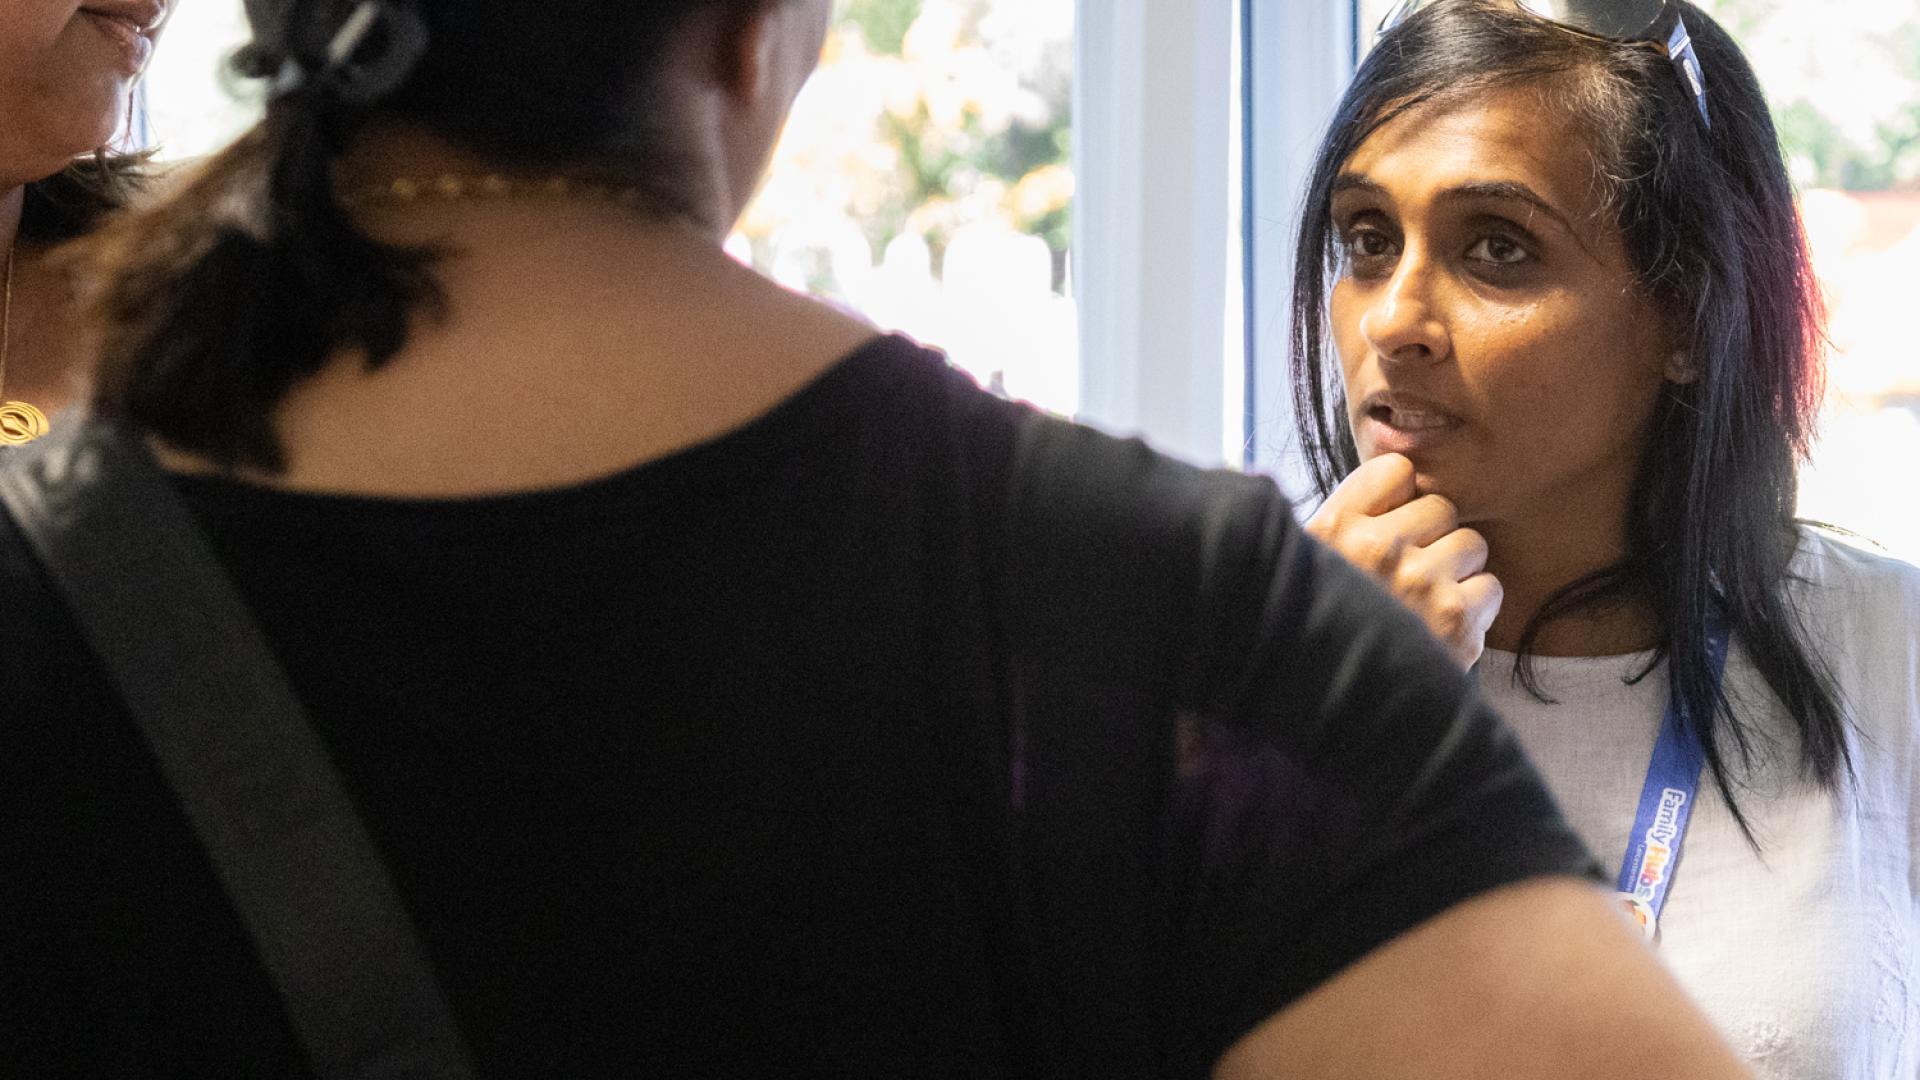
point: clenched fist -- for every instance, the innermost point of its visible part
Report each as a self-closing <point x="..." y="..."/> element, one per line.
<point x="1416" y="548"/>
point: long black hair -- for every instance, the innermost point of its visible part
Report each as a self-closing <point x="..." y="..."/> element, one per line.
<point x="1714" y="239"/>
<point x="219" y="300"/>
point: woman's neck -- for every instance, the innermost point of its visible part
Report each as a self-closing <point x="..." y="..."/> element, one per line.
<point x="578" y="338"/>
<point x="1535" y="559"/>
<point x="13" y="204"/>
<point x="42" y="350"/>
<point x="389" y="150"/>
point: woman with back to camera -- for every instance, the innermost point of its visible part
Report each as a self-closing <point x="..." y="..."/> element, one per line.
<point x="67" y="73"/>
<point x="725" y="688"/>
<point x="1579" y="350"/>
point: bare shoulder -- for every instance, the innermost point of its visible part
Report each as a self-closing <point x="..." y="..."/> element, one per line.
<point x="811" y="324"/>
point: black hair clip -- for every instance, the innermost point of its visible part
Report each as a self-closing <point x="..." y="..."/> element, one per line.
<point x="367" y="58"/>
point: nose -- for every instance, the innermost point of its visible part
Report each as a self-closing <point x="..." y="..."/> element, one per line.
<point x="1403" y="324"/>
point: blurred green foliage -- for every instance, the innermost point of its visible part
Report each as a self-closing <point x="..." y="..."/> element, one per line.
<point x="884" y="22"/>
<point x="939" y="164"/>
<point x="1815" y="135"/>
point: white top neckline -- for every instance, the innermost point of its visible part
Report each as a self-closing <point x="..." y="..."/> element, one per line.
<point x="1805" y="953"/>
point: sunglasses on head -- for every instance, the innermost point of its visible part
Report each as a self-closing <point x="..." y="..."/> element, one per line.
<point x="1655" y="23"/>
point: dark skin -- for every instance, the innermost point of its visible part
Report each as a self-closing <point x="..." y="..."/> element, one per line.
<point x="47" y="348"/>
<point x="1501" y="371"/>
<point x="65" y="82"/>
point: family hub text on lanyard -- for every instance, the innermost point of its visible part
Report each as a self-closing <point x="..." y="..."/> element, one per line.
<point x="1666" y="800"/>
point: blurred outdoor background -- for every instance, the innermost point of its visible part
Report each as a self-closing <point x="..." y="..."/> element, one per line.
<point x="926" y="181"/>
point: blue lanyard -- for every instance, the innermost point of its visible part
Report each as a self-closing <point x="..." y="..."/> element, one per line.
<point x="1666" y="801"/>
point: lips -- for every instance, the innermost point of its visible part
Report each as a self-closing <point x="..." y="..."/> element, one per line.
<point x="1397" y="422"/>
<point x="129" y="25"/>
<point x="140" y="16"/>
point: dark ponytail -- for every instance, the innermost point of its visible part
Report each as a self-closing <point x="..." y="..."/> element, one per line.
<point x="216" y="303"/>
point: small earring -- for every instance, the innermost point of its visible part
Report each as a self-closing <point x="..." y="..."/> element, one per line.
<point x="1680" y="368"/>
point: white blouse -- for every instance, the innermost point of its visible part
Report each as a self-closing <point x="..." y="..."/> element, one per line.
<point x="1804" y="953"/>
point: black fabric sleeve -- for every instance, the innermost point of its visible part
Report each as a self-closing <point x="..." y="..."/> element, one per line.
<point x="1322" y="777"/>
<point x="1340" y="782"/>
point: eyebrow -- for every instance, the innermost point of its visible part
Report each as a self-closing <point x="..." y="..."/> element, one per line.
<point x="1510" y="190"/>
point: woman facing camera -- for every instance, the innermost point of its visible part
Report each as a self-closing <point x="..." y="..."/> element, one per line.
<point x="67" y="72"/>
<point x="1560" y="348"/>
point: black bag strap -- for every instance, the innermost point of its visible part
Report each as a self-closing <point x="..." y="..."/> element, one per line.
<point x="235" y="744"/>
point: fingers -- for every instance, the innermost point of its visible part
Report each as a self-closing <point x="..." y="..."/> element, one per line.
<point x="1447" y="585"/>
<point x="1375" y="487"/>
<point x="1397" y="542"/>
<point x="1425" y="520"/>
<point x="1454" y="606"/>
<point x="1416" y="548"/>
<point x="1481" y="596"/>
<point x="1455" y="556"/>
<point x="1358" y="520"/>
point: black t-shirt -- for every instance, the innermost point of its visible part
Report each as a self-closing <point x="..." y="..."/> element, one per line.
<point x="872" y="739"/>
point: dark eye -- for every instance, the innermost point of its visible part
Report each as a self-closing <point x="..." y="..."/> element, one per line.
<point x="1498" y="250"/>
<point x="1366" y="245"/>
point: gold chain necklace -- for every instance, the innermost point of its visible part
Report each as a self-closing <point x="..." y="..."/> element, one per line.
<point x="458" y="187"/>
<point x="19" y="421"/>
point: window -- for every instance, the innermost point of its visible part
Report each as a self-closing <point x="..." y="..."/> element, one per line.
<point x="925" y="178"/>
<point x="1844" y="84"/>
<point x="1299" y="58"/>
<point x="1369" y="15"/>
<point x="191" y="107"/>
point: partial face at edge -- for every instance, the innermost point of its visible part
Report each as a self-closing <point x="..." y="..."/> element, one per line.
<point x="1486" y="318"/>
<point x="67" y="70"/>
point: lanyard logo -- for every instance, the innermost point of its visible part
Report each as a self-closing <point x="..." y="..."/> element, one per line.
<point x="1660" y="843"/>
